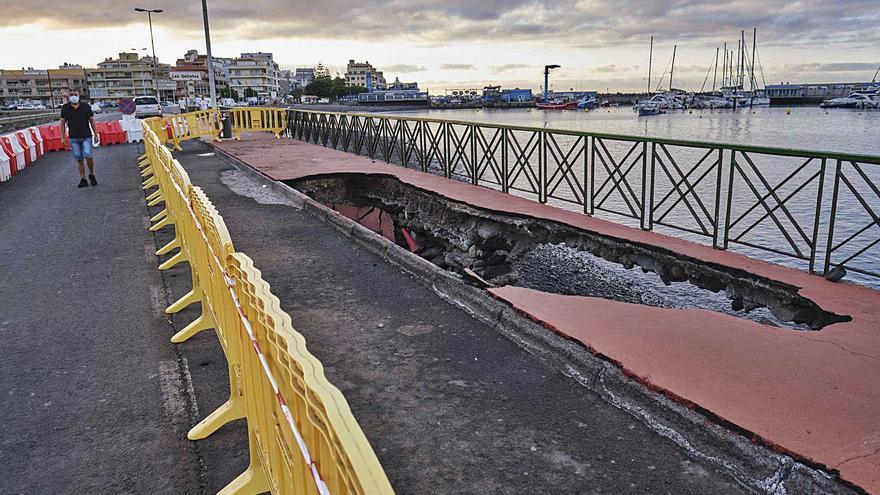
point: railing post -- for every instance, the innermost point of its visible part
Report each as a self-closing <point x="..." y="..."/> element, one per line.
<point x="474" y="166"/>
<point x="815" y="239"/>
<point x="586" y="186"/>
<point x="446" y="165"/>
<point x="592" y="209"/>
<point x="644" y="221"/>
<point x="542" y="167"/>
<point x="505" y="167"/>
<point x="717" y="218"/>
<point x="731" y="165"/>
<point x="829" y="247"/>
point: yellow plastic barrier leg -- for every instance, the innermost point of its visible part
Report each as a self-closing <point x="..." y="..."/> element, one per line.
<point x="161" y="224"/>
<point x="167" y="248"/>
<point x="230" y="411"/>
<point x="159" y="215"/>
<point x="151" y="182"/>
<point x="250" y="482"/>
<point x="190" y="297"/>
<point x="197" y="325"/>
<point x="172" y="261"/>
<point x="156" y="201"/>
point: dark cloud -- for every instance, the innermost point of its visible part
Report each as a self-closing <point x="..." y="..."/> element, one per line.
<point x="458" y="67"/>
<point x="404" y="68"/>
<point x="497" y="69"/>
<point x="579" y="23"/>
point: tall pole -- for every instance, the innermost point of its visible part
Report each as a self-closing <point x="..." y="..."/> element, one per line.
<point x="153" y="45"/>
<point x="211" y="87"/>
<point x="752" y="83"/>
<point x="724" y="68"/>
<point x="715" y="76"/>
<point x="650" y="60"/>
<point x="49" y="77"/>
<point x="546" y="83"/>
<point x="672" y="69"/>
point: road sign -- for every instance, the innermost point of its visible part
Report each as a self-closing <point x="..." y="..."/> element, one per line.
<point x="127" y="106"/>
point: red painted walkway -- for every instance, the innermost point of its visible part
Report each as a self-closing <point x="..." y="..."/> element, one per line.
<point x="813" y="394"/>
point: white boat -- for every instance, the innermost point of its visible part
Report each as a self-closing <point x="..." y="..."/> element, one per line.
<point x="854" y="100"/>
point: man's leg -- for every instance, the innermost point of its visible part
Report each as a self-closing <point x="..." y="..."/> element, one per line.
<point x="76" y="147"/>
<point x="87" y="154"/>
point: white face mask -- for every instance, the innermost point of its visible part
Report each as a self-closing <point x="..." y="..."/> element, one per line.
<point x="74" y="99"/>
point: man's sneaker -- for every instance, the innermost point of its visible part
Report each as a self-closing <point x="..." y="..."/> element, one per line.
<point x="92" y="179"/>
<point x="83" y="183"/>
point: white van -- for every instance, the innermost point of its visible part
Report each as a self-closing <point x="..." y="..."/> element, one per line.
<point x="147" y="106"/>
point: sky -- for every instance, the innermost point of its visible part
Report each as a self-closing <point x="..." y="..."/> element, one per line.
<point x="600" y="44"/>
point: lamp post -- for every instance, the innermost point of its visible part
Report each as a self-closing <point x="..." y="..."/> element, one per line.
<point x="150" y="13"/>
<point x="211" y="87"/>
<point x="547" y="79"/>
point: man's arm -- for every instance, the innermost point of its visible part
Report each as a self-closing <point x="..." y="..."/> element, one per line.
<point x="96" y="136"/>
<point x="63" y="126"/>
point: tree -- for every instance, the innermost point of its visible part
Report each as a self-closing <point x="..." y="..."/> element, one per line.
<point x="250" y="93"/>
<point x="229" y="93"/>
<point x="320" y="87"/>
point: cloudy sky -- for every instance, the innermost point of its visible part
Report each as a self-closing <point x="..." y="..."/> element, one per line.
<point x="467" y="43"/>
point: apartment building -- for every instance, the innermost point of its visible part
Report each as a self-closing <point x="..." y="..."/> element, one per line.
<point x="129" y="76"/>
<point x="47" y="87"/>
<point x="257" y="71"/>
<point x="190" y="75"/>
<point x="364" y="74"/>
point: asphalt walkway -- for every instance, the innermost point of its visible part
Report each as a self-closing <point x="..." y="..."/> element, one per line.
<point x="91" y="393"/>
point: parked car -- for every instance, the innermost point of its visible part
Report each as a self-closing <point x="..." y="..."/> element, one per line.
<point x="169" y="107"/>
<point x="147" y="106"/>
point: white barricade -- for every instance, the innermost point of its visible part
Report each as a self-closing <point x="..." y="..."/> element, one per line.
<point x="38" y="139"/>
<point x="29" y="151"/>
<point x="17" y="148"/>
<point x="133" y="128"/>
<point x="5" y="165"/>
<point x="30" y="144"/>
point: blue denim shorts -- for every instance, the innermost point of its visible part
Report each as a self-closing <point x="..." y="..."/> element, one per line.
<point x="81" y="148"/>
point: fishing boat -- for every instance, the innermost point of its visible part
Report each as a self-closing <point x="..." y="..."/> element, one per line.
<point x="587" y="103"/>
<point x="649" y="108"/>
<point x="558" y="105"/>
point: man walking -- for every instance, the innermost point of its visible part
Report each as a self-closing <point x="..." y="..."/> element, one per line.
<point x="80" y="120"/>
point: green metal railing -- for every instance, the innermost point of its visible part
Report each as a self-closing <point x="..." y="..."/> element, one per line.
<point x="770" y="202"/>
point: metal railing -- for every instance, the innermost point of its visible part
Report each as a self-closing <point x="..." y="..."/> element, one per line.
<point x="810" y="209"/>
<point x="302" y="436"/>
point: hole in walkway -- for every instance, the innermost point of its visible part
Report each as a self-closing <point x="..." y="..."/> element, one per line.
<point x="504" y="249"/>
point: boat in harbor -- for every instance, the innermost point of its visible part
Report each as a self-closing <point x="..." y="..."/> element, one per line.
<point x="558" y="105"/>
<point x="854" y="100"/>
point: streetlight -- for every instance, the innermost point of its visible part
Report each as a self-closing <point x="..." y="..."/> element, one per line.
<point x="211" y="86"/>
<point x="150" y="13"/>
<point x="547" y="79"/>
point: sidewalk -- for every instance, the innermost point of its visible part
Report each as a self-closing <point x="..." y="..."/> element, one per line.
<point x="92" y="400"/>
<point x="448" y="404"/>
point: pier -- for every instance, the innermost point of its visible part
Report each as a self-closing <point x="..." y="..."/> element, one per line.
<point x="407" y="254"/>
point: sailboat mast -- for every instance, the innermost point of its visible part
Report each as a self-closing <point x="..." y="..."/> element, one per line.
<point x="672" y="69"/>
<point x="650" y="59"/>
<point x="724" y="67"/>
<point x="715" y="76"/>
<point x="752" y="85"/>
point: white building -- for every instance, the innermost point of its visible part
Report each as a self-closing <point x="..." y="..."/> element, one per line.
<point x="128" y="76"/>
<point x="257" y="71"/>
<point x="364" y="74"/>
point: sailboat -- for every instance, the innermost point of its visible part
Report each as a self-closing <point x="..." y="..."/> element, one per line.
<point x="657" y="104"/>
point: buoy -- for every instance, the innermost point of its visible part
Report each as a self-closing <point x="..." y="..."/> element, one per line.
<point x="690" y="111"/>
<point x="787" y="111"/>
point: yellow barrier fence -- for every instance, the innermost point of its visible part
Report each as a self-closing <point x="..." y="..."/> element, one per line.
<point x="192" y="125"/>
<point x="302" y="436"/>
<point x="258" y="119"/>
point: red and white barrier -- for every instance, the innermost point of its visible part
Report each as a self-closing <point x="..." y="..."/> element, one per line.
<point x="6" y="163"/>
<point x="30" y="154"/>
<point x="37" y="139"/>
<point x="13" y="147"/>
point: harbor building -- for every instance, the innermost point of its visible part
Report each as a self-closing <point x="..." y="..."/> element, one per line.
<point x="364" y="74"/>
<point x="811" y="93"/>
<point x="190" y="75"/>
<point x="403" y="86"/>
<point x="42" y="86"/>
<point x="516" y="95"/>
<point x="127" y="76"/>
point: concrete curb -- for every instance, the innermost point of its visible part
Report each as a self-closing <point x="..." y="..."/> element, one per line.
<point x="718" y="445"/>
